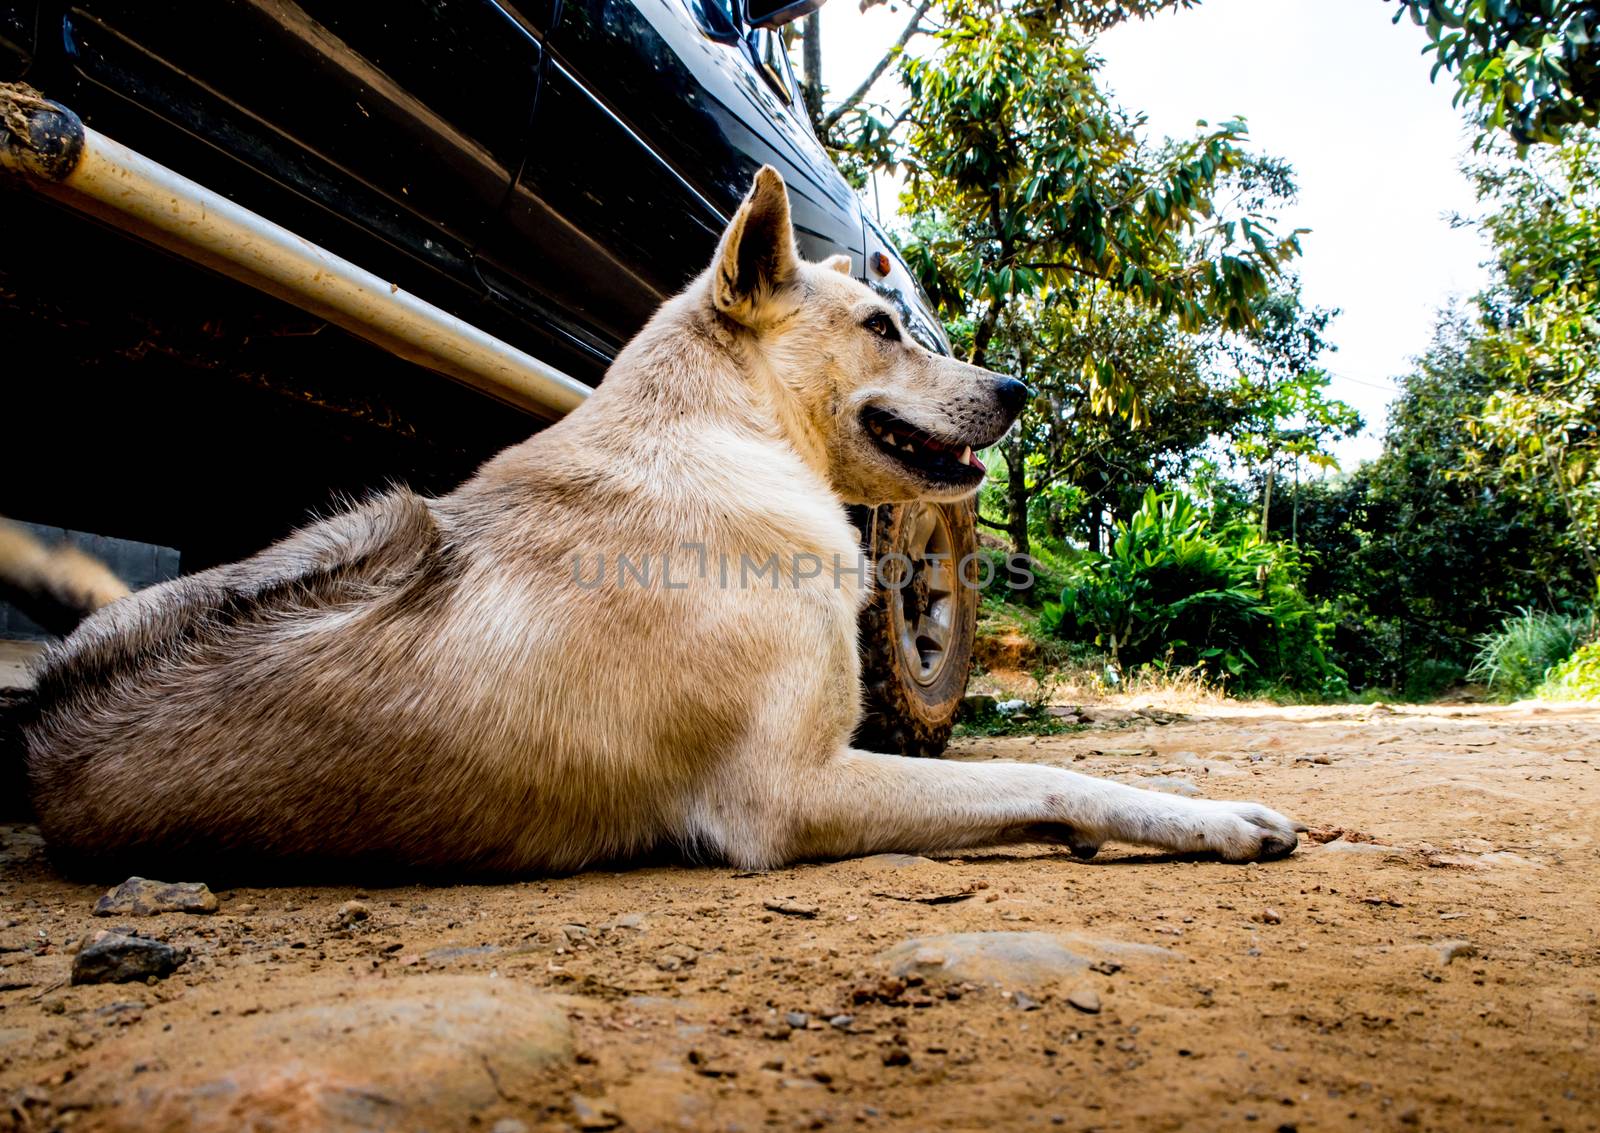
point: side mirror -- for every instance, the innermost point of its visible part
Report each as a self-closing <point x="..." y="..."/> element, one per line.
<point x="776" y="13"/>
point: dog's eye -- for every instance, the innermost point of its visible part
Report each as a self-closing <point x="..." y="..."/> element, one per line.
<point x="882" y="325"/>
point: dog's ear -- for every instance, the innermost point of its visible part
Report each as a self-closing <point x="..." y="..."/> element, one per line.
<point x="757" y="256"/>
<point x="839" y="263"/>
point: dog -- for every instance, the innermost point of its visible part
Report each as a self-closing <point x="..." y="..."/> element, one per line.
<point x="632" y="634"/>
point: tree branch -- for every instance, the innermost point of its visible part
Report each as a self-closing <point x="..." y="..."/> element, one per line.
<point x="831" y="119"/>
<point x="991" y="524"/>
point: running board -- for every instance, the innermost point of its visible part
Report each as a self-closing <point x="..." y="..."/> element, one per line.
<point x="46" y="146"/>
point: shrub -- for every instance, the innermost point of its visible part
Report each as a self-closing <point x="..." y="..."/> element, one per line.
<point x="1512" y="662"/>
<point x="1172" y="592"/>
<point x="1576" y="678"/>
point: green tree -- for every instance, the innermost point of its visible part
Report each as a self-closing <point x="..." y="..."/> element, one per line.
<point x="1419" y="559"/>
<point x="1068" y="470"/>
<point x="1287" y="415"/>
<point x="1045" y="190"/>
<point x="1539" y="430"/>
<point x="1062" y="247"/>
<point x="1529" y="67"/>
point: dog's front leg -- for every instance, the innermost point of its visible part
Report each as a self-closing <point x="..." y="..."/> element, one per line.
<point x="860" y="802"/>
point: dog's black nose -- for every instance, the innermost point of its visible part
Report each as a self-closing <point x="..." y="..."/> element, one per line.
<point x="1013" y="395"/>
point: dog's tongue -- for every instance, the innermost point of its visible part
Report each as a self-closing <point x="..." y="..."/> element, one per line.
<point x="970" y="457"/>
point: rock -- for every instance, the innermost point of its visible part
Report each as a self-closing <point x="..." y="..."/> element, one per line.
<point x="1449" y="951"/>
<point x="1009" y="708"/>
<point x="424" y="1052"/>
<point x="1104" y="714"/>
<point x="509" y="1125"/>
<point x="675" y="957"/>
<point x="799" y="1020"/>
<point x="1342" y="846"/>
<point x="594" y="1113"/>
<point x="792" y="908"/>
<point x="1010" y="959"/>
<point x="1024" y="1001"/>
<point x="141" y="897"/>
<point x="977" y="706"/>
<point x="1171" y="785"/>
<point x="112" y="958"/>
<point x="352" y="912"/>
<point x="841" y="1022"/>
<point x="894" y="861"/>
<point x="1085" y="999"/>
<point x="1268" y="916"/>
<point x="1029" y="960"/>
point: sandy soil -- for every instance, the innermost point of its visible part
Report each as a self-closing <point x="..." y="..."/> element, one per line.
<point x="1430" y="960"/>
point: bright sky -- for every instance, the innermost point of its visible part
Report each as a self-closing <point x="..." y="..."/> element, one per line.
<point x="1342" y="93"/>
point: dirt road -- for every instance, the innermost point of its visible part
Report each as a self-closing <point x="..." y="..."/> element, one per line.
<point x="1435" y="966"/>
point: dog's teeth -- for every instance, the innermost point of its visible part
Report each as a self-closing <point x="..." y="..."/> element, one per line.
<point x="966" y="456"/>
<point x="889" y="438"/>
<point x="909" y="447"/>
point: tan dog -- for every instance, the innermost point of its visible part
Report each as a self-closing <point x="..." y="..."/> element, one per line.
<point x="55" y="586"/>
<point x="635" y="631"/>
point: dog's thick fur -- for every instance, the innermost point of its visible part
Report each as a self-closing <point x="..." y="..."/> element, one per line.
<point x="452" y="684"/>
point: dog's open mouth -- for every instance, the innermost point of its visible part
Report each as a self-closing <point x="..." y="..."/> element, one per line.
<point x="950" y="462"/>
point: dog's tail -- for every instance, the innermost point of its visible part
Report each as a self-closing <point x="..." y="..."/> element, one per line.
<point x="55" y="586"/>
<point x="17" y="708"/>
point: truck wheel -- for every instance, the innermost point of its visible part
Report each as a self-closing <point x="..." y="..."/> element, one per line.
<point x="917" y="630"/>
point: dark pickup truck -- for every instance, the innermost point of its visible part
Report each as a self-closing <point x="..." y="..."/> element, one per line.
<point x="533" y="176"/>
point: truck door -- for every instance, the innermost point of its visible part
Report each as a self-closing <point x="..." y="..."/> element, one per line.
<point x="652" y="119"/>
<point x="405" y="118"/>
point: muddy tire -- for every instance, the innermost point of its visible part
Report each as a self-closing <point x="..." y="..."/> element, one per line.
<point x="916" y="634"/>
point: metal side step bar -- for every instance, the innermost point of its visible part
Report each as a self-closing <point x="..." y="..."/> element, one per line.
<point x="46" y="146"/>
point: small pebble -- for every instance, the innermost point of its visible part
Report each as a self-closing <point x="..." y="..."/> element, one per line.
<point x="1086" y="1000"/>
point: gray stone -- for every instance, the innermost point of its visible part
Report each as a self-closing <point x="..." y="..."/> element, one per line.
<point x="112" y="958"/>
<point x="141" y="897"/>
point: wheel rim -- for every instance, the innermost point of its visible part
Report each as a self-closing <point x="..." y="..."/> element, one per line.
<point x="924" y="609"/>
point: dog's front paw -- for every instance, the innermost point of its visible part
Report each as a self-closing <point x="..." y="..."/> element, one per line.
<point x="1248" y="832"/>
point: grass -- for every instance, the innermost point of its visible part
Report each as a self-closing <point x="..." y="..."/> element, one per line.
<point x="1513" y="661"/>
